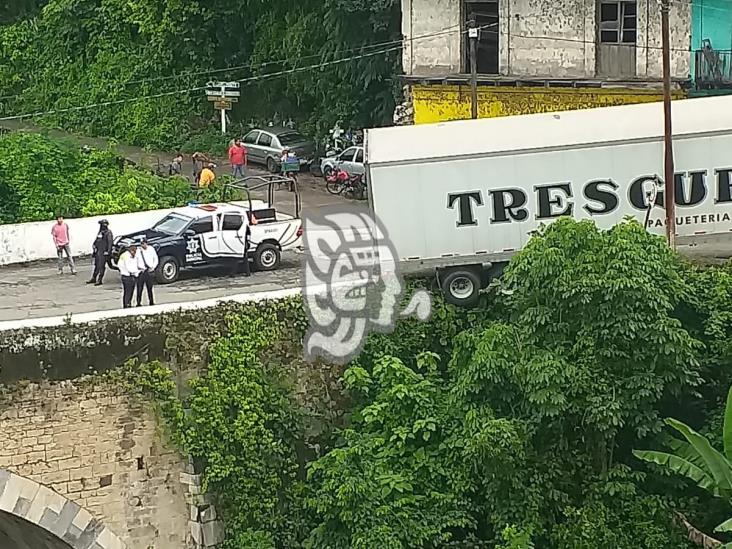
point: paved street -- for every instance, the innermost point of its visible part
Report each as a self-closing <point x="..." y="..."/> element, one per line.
<point x="37" y="291"/>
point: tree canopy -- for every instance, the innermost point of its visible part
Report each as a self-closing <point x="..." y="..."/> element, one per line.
<point x="74" y="53"/>
<point x="511" y="426"/>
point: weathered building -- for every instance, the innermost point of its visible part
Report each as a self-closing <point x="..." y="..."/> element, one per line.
<point x="539" y="55"/>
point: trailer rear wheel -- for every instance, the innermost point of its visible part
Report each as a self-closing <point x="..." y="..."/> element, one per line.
<point x="461" y="287"/>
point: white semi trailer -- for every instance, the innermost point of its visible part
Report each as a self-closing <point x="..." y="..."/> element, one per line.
<point x="460" y="198"/>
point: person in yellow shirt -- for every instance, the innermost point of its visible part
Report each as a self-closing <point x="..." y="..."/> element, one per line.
<point x="207" y="177"/>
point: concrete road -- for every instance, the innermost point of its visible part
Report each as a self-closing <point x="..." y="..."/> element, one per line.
<point x="37" y="291"/>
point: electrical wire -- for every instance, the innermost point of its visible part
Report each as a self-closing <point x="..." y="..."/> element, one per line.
<point x="447" y="30"/>
<point x="197" y="88"/>
<point x="594" y="42"/>
<point x="401" y="43"/>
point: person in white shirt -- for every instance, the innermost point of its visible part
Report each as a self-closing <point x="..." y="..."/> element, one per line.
<point x="129" y="271"/>
<point x="147" y="262"/>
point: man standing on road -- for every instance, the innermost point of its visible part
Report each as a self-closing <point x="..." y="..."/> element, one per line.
<point x="60" y="234"/>
<point x="101" y="252"/>
<point x="147" y="262"/>
<point x="238" y="158"/>
<point x="129" y="271"/>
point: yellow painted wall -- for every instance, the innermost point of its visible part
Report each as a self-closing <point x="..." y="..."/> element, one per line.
<point x="438" y="103"/>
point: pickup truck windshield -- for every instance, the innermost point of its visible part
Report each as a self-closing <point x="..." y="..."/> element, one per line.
<point x="172" y="224"/>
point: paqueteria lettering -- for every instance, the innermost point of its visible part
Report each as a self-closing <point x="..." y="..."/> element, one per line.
<point x="599" y="197"/>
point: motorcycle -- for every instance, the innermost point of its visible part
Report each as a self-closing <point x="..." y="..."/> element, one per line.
<point x="341" y="182"/>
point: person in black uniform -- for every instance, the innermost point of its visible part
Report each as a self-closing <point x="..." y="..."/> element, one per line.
<point x="248" y="220"/>
<point x="102" y="252"/>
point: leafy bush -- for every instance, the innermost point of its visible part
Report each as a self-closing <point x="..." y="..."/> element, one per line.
<point x="42" y="177"/>
<point x="508" y="427"/>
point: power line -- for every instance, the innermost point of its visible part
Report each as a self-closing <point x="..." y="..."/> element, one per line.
<point x="594" y="42"/>
<point x="401" y="42"/>
<point x="447" y="30"/>
<point x="198" y="88"/>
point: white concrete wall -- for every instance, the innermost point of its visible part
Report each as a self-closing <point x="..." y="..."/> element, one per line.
<point x="32" y="241"/>
<point x="552" y="38"/>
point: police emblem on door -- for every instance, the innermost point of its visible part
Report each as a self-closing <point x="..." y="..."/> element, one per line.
<point x="193" y="250"/>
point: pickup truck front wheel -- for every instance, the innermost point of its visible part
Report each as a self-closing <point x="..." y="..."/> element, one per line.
<point x="267" y="257"/>
<point x="168" y="270"/>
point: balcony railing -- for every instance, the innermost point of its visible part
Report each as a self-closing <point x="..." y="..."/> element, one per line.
<point x="713" y="68"/>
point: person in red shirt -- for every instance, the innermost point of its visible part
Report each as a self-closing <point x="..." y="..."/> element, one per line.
<point x="238" y="158"/>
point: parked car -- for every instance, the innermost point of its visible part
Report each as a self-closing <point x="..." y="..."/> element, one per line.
<point x="350" y="160"/>
<point x="265" y="147"/>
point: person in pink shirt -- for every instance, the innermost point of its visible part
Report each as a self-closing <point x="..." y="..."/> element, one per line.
<point x="238" y="158"/>
<point x="60" y="234"/>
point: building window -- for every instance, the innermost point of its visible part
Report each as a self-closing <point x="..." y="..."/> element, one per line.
<point x="617" y="29"/>
<point x="618" y="22"/>
<point x="485" y="15"/>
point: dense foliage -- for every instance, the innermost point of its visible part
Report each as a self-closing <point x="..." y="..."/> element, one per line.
<point x="41" y="178"/>
<point x="75" y="53"/>
<point x="693" y="456"/>
<point x="509" y="427"/>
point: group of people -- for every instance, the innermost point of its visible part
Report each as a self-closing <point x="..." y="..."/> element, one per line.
<point x="137" y="269"/>
<point x="136" y="265"/>
<point x="203" y="167"/>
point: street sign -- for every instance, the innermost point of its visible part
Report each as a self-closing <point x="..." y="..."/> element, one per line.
<point x="215" y="98"/>
<point x="222" y="93"/>
<point x="232" y="85"/>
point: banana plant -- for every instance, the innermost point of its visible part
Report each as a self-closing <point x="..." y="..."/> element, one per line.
<point x="694" y="457"/>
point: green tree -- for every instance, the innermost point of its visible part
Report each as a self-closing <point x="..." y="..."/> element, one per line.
<point x="84" y="52"/>
<point x="535" y="416"/>
<point x="397" y="482"/>
<point x="41" y="177"/>
<point x="695" y="458"/>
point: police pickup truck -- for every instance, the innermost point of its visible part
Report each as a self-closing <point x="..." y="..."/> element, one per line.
<point x="208" y="234"/>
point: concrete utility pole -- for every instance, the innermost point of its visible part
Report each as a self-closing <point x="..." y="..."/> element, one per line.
<point x="473" y="36"/>
<point x="670" y="184"/>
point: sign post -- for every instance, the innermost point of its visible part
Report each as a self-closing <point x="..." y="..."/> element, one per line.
<point x="223" y="94"/>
